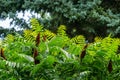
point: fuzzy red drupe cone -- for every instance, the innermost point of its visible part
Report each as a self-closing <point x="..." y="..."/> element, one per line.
<point x="2" y="54"/>
<point x="83" y="53"/>
<point x="110" y="66"/>
<point x="38" y="39"/>
<point x="35" y="54"/>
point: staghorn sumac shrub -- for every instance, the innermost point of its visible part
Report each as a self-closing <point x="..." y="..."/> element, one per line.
<point x="48" y="56"/>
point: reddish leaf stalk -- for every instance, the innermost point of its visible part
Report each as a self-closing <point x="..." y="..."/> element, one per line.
<point x="44" y="38"/>
<point x="110" y="66"/>
<point x="38" y="39"/>
<point x="2" y="54"/>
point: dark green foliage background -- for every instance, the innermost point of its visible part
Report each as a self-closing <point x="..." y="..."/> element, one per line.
<point x="87" y="17"/>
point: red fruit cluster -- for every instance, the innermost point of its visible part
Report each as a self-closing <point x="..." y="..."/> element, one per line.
<point x="35" y="54"/>
<point x="35" y="51"/>
<point x="38" y="39"/>
<point x="83" y="53"/>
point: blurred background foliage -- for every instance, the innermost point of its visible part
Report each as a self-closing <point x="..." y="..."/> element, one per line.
<point x="87" y="17"/>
